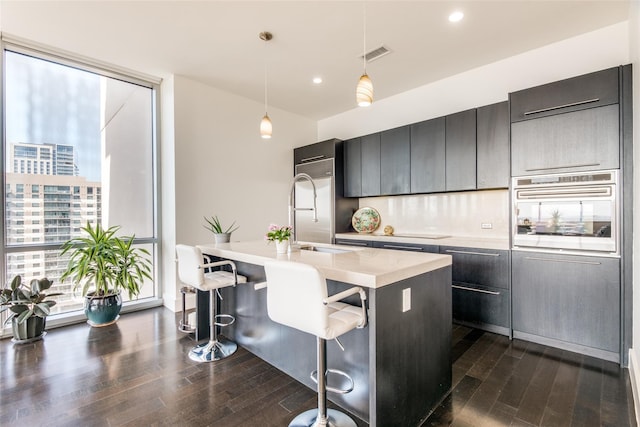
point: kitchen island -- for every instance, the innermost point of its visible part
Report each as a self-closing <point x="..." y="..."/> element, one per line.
<point x="400" y="362"/>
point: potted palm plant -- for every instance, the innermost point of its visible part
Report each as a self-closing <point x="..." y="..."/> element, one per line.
<point x="220" y="234"/>
<point x="29" y="307"/>
<point x="103" y="264"/>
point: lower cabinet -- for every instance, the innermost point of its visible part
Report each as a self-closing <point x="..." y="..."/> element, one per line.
<point x="568" y="301"/>
<point x="481" y="288"/>
<point x="407" y="247"/>
<point x="350" y="242"/>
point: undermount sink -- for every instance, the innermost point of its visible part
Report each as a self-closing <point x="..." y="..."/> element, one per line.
<point x="324" y="249"/>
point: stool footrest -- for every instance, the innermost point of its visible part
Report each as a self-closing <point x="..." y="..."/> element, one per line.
<point x="231" y="318"/>
<point x="314" y="378"/>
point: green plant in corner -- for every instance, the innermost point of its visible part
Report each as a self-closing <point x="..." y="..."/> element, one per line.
<point x="213" y="224"/>
<point x="26" y="301"/>
<point x="101" y="263"/>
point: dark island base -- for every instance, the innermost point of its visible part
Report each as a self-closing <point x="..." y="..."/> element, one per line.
<point x="400" y="363"/>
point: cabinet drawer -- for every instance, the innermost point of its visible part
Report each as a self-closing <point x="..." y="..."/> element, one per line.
<point x="318" y="151"/>
<point x="407" y="247"/>
<point x="482" y="267"/>
<point x="480" y="305"/>
<point x="349" y="242"/>
<point x="577" y="93"/>
<point x="578" y="141"/>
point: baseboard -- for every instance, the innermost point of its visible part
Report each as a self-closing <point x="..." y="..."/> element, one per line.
<point x="634" y="376"/>
<point x="576" y="348"/>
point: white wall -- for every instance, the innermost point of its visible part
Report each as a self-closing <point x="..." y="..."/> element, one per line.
<point x="491" y="83"/>
<point x="224" y="168"/>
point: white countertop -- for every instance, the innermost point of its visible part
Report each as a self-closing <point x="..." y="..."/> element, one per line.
<point x="368" y="267"/>
<point x="466" y="242"/>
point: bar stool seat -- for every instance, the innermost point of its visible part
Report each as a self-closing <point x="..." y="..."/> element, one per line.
<point x="297" y="297"/>
<point x="191" y="267"/>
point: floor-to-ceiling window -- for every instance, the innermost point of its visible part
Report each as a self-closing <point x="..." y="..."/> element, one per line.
<point x="79" y="147"/>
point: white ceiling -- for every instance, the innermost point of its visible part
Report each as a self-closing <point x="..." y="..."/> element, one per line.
<point x="216" y="42"/>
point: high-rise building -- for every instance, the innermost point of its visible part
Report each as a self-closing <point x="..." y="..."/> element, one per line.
<point x="46" y="203"/>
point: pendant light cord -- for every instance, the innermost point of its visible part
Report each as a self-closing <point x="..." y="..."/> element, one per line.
<point x="364" y="36"/>
<point x="265" y="77"/>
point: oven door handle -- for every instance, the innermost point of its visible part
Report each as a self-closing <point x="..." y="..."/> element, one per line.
<point x="543" y="193"/>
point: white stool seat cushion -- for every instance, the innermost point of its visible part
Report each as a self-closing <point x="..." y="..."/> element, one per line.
<point x="219" y="279"/>
<point x="295" y="292"/>
<point x="342" y="318"/>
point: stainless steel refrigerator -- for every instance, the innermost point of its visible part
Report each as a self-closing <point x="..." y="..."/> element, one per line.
<point x="334" y="211"/>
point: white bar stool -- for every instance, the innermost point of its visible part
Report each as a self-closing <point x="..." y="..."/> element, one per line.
<point x="297" y="297"/>
<point x="191" y="272"/>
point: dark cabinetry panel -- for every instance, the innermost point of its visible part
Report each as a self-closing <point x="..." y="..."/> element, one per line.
<point x="460" y="162"/>
<point x="428" y="156"/>
<point x="352" y="168"/>
<point x="395" y="161"/>
<point x="370" y="152"/>
<point x="480" y="287"/>
<point x="580" y="140"/>
<point x="318" y="151"/>
<point x="350" y="242"/>
<point x="575" y="299"/>
<point x="406" y="247"/>
<point x="493" y="146"/>
<point x="577" y="93"/>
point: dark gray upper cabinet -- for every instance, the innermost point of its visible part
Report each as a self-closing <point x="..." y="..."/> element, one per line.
<point x="493" y="146"/>
<point x="460" y="162"/>
<point x="428" y="156"/>
<point x="353" y="168"/>
<point x="313" y="152"/>
<point x="575" y="299"/>
<point x="577" y="93"/>
<point x="576" y="141"/>
<point x="370" y="152"/>
<point x="395" y="161"/>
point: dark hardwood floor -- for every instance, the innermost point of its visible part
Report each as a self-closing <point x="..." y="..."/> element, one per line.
<point x="137" y="373"/>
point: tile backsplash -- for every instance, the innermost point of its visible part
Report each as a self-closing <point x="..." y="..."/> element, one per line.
<point x="454" y="214"/>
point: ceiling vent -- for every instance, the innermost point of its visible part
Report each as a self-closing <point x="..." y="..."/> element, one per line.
<point x="376" y="53"/>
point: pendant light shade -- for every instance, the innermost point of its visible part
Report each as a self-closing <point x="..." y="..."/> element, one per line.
<point x="266" y="129"/>
<point x="364" y="91"/>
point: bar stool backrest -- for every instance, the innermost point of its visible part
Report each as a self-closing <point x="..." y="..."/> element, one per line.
<point x="295" y="292"/>
<point x="190" y="271"/>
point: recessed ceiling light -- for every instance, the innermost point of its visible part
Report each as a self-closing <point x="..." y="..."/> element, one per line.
<point x="456" y="16"/>
<point x="317" y="80"/>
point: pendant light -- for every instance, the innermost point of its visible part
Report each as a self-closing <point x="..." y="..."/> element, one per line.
<point x="364" y="90"/>
<point x="266" y="128"/>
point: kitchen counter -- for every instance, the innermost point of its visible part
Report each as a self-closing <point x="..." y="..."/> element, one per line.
<point x="400" y="362"/>
<point x="367" y="267"/>
<point x="427" y="239"/>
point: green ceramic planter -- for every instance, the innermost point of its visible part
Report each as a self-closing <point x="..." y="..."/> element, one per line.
<point x="102" y="311"/>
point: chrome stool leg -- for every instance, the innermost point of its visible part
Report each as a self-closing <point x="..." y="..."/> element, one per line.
<point x="216" y="348"/>
<point x="323" y="416"/>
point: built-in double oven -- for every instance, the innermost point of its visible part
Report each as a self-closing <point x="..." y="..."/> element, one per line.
<point x="573" y="212"/>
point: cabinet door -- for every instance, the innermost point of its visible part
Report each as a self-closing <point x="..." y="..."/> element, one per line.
<point x="407" y="247"/>
<point x="578" y="93"/>
<point x="350" y="242"/>
<point x="481" y="306"/>
<point x="568" y="298"/>
<point x="460" y="162"/>
<point x="395" y="161"/>
<point x="577" y="141"/>
<point x="428" y="156"/>
<point x="485" y="267"/>
<point x="370" y="151"/>
<point x="313" y="152"/>
<point x="352" y="168"/>
<point x="493" y="146"/>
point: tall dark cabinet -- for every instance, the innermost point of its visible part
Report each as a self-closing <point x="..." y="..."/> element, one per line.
<point x="460" y="162"/>
<point x="428" y="156"/>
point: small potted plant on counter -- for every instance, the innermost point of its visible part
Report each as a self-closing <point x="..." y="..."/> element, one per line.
<point x="103" y="264"/>
<point x="280" y="235"/>
<point x="29" y="308"/>
<point x="220" y="234"/>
